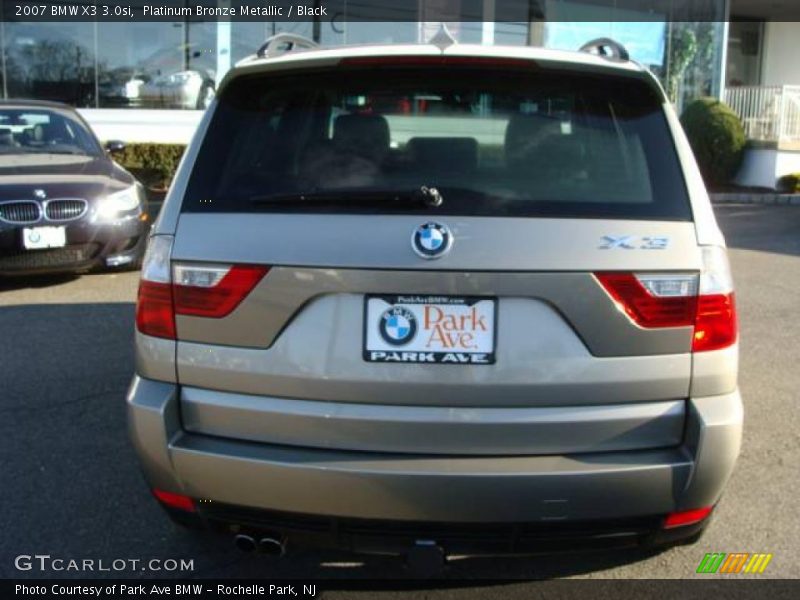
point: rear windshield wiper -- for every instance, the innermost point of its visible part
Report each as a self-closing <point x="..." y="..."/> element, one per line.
<point x="423" y="195"/>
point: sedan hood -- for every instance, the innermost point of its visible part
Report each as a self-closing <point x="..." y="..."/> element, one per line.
<point x="59" y="175"/>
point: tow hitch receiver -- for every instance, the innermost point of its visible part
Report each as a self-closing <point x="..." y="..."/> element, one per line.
<point x="425" y="558"/>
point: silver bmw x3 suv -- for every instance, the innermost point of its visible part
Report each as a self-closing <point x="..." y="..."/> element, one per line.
<point x="462" y="298"/>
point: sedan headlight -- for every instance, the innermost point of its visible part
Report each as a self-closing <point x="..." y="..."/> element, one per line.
<point x="181" y="77"/>
<point x="132" y="88"/>
<point x="118" y="204"/>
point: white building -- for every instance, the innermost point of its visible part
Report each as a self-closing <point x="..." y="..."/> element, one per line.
<point x="763" y="86"/>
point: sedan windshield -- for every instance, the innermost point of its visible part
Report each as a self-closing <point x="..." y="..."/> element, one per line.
<point x="43" y="131"/>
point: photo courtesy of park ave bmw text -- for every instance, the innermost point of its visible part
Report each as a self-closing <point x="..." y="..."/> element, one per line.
<point x="334" y="298"/>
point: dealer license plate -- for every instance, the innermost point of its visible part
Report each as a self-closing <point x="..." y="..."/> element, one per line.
<point x="456" y="330"/>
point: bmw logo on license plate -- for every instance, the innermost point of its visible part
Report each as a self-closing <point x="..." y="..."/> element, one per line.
<point x="431" y="240"/>
<point x="397" y="326"/>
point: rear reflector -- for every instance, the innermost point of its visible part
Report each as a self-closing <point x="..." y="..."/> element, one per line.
<point x="179" y="501"/>
<point x="213" y="291"/>
<point x="686" y="517"/>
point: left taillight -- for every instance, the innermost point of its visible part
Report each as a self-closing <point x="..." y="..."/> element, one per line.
<point x="154" y="306"/>
<point x="704" y="302"/>
<point x="208" y="290"/>
<point x="212" y="290"/>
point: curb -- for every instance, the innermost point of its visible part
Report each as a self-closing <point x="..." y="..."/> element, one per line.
<point x="752" y="198"/>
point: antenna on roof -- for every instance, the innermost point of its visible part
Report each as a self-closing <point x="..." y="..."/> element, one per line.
<point x="442" y="39"/>
<point x="605" y="47"/>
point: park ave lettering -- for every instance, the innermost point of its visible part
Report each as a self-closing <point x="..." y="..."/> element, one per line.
<point x="453" y="331"/>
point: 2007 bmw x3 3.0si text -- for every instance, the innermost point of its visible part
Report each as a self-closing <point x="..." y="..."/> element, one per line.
<point x="474" y="299"/>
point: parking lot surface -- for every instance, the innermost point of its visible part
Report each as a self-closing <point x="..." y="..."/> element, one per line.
<point x="71" y="486"/>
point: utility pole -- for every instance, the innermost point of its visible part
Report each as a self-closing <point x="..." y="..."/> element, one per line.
<point x="186" y="52"/>
<point x="316" y="31"/>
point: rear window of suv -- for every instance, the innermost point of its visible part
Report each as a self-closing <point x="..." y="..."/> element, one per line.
<point x="490" y="141"/>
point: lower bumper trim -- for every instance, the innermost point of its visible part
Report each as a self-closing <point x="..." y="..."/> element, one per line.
<point x="398" y="537"/>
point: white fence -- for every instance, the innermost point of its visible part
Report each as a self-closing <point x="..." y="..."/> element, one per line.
<point x="770" y="113"/>
<point x="143" y="125"/>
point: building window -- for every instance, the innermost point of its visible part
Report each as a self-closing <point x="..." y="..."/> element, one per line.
<point x="744" y="53"/>
<point x="50" y="61"/>
<point x="695" y="61"/>
<point x="157" y="65"/>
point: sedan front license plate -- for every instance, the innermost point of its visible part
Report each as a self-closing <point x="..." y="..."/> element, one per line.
<point x="34" y="238"/>
<point x="455" y="330"/>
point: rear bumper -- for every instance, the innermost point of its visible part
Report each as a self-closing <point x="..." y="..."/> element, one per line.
<point x="544" y="490"/>
<point x="433" y="430"/>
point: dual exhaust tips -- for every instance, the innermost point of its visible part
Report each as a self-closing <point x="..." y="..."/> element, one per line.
<point x="271" y="546"/>
<point x="425" y="558"/>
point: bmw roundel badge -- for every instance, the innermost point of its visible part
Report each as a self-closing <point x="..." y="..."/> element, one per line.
<point x="397" y="326"/>
<point x="431" y="240"/>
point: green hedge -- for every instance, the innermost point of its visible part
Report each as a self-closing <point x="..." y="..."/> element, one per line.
<point x="153" y="164"/>
<point x="789" y="184"/>
<point x="717" y="138"/>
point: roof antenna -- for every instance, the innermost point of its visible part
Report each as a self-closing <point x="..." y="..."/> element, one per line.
<point x="442" y="39"/>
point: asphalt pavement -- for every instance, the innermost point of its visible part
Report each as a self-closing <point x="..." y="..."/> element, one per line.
<point x="71" y="486"/>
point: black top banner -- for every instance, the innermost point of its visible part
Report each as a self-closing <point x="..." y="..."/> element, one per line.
<point x="524" y="11"/>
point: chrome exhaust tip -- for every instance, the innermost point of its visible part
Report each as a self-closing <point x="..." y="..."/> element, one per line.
<point x="272" y="546"/>
<point x="245" y="543"/>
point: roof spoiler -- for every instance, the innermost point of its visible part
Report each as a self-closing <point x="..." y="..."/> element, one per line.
<point x="283" y="43"/>
<point x="607" y="48"/>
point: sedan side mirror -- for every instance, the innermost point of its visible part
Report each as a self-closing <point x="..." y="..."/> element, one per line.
<point x="115" y="146"/>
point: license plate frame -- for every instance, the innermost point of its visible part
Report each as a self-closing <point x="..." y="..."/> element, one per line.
<point x="382" y="338"/>
<point x="41" y="238"/>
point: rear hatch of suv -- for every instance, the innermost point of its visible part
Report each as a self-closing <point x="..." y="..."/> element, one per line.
<point x="437" y="257"/>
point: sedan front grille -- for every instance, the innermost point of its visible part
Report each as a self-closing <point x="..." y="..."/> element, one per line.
<point x="67" y="209"/>
<point x="20" y="211"/>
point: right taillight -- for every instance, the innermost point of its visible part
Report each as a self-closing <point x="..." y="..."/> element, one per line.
<point x="716" y="325"/>
<point x="653" y="300"/>
<point x="704" y="302"/>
